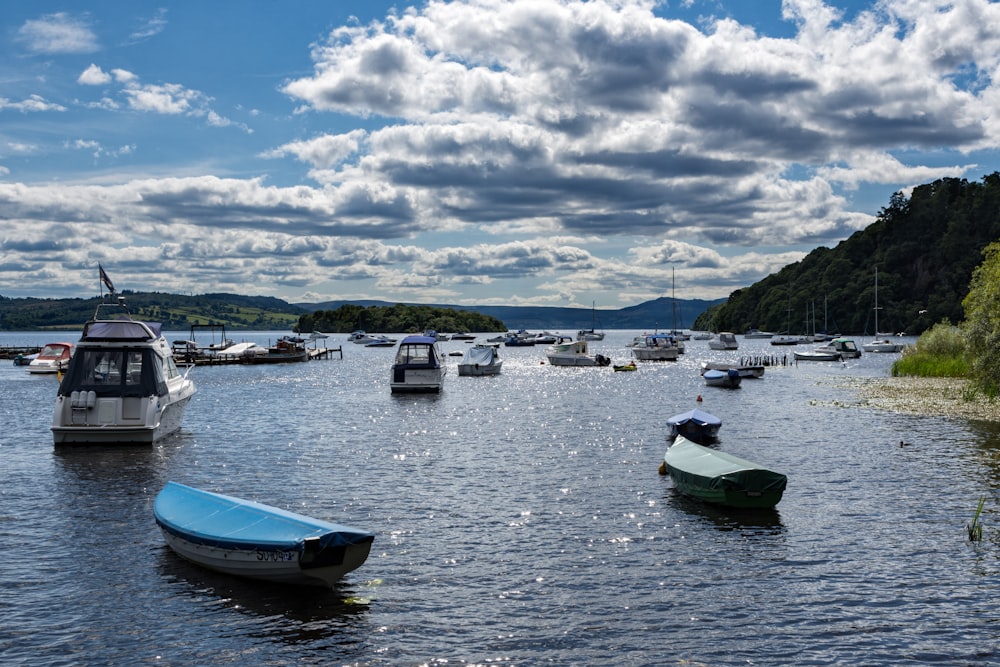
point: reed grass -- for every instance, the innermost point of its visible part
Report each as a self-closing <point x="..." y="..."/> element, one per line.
<point x="939" y="352"/>
<point x="919" y="364"/>
<point x="975" y="529"/>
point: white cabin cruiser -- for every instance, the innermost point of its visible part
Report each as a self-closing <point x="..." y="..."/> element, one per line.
<point x="569" y="352"/>
<point x="418" y="366"/>
<point x="655" y="347"/>
<point x="122" y="385"/>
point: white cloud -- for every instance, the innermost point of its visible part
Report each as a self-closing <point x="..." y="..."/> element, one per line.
<point x="94" y="76"/>
<point x="150" y="27"/>
<point x="58" y="33"/>
<point x="123" y="76"/>
<point x="34" y="103"/>
<point x="325" y="151"/>
<point x="595" y="140"/>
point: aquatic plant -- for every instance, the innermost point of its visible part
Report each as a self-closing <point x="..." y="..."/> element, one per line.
<point x="975" y="529"/>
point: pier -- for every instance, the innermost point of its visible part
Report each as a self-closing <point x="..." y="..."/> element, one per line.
<point x="245" y="353"/>
<point x="13" y="351"/>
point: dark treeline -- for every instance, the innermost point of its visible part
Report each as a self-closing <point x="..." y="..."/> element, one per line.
<point x="399" y="318"/>
<point x="924" y="247"/>
<point x="176" y="312"/>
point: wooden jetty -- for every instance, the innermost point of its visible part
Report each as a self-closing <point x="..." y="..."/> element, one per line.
<point x="12" y="351"/>
<point x="244" y="353"/>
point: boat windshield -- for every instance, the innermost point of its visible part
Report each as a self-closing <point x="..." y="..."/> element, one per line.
<point x="114" y="373"/>
<point x="416" y="355"/>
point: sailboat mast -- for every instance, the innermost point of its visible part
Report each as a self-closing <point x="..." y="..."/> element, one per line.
<point x="673" y="302"/>
<point x="876" y="302"/>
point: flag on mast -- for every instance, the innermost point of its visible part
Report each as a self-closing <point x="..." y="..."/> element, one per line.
<point x="105" y="279"/>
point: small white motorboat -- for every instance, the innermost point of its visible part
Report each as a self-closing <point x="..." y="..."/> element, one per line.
<point x="655" y="347"/>
<point x="883" y="345"/>
<point x="819" y="354"/>
<point x="481" y="359"/>
<point x="54" y="358"/>
<point x="249" y="539"/>
<point x="569" y="352"/>
<point x="725" y="340"/>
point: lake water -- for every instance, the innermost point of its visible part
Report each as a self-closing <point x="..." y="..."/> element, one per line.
<point x="519" y="520"/>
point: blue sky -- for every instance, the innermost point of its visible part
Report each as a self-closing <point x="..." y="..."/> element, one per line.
<point x="527" y="152"/>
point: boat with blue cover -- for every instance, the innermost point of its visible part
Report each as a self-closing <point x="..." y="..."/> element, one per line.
<point x="250" y="539"/>
<point x="696" y="425"/>
<point x="730" y="379"/>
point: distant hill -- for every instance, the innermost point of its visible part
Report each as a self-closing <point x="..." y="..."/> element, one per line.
<point x="658" y="313"/>
<point x="924" y="249"/>
<point x="178" y="312"/>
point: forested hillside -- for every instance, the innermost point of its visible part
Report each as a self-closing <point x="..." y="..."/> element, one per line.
<point x="398" y="318"/>
<point x="176" y="312"/>
<point x="924" y="249"/>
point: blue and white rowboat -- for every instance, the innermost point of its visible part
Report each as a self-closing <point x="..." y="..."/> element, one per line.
<point x="248" y="539"/>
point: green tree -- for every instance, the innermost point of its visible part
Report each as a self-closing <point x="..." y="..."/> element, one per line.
<point x="982" y="322"/>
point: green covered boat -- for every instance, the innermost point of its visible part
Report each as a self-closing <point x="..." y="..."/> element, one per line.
<point x="721" y="478"/>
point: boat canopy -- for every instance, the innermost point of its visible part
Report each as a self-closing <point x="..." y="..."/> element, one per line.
<point x="417" y="351"/>
<point x="120" y="330"/>
<point x="114" y="372"/>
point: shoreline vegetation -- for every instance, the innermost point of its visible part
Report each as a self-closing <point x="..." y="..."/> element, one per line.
<point x="929" y="396"/>
<point x="950" y="371"/>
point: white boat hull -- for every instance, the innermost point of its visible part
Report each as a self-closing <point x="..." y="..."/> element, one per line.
<point x="655" y="353"/>
<point x="274" y="565"/>
<point x="417" y="380"/>
<point x="478" y="370"/>
<point x="817" y="356"/>
<point x="885" y="346"/>
<point x="46" y="367"/>
<point x="111" y="420"/>
<point x="575" y="360"/>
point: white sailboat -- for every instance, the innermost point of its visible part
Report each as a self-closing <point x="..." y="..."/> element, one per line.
<point x="879" y="344"/>
<point x="592" y="333"/>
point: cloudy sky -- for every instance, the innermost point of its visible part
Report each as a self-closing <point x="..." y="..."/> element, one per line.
<point x="521" y="152"/>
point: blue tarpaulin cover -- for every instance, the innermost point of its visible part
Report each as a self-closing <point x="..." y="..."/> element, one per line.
<point x="227" y="522"/>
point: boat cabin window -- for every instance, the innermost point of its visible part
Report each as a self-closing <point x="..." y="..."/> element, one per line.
<point x="114" y="373"/>
<point x="415" y="355"/>
<point x="172" y="370"/>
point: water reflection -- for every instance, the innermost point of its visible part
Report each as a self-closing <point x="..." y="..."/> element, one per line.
<point x="112" y="468"/>
<point x="986" y="436"/>
<point x="726" y="518"/>
<point x="289" y="614"/>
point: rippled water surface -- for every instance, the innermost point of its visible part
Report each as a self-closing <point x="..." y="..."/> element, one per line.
<point x="519" y="519"/>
